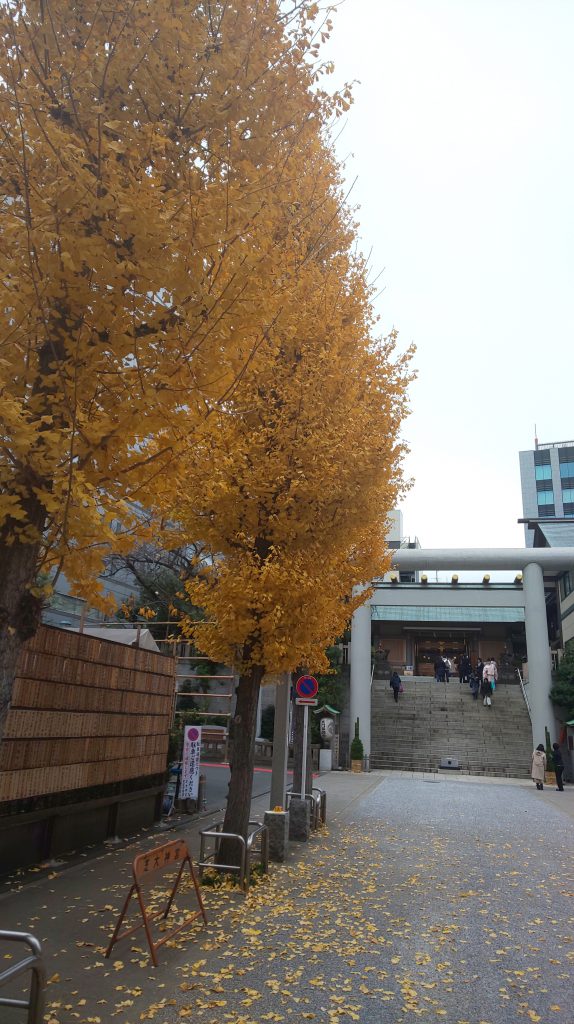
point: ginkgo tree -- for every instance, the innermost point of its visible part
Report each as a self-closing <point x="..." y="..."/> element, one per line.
<point x="142" y="146"/>
<point x="299" y="468"/>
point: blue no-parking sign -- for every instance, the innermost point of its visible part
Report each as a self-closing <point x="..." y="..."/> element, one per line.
<point x="306" y="686"/>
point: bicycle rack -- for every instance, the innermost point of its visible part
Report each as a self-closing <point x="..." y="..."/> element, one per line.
<point x="317" y="798"/>
<point x="35" y="1004"/>
<point x="257" y="842"/>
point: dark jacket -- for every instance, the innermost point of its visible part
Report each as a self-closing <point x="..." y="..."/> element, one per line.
<point x="557" y="758"/>
<point x="485" y="687"/>
<point x="395" y="681"/>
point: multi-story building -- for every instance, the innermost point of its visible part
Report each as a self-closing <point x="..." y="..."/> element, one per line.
<point x="547" y="480"/>
<point x="395" y="540"/>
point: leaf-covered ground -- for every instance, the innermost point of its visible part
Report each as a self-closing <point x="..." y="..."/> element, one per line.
<point x="444" y="901"/>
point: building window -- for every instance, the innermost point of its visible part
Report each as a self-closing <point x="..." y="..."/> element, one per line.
<point x="569" y="510"/>
<point x="568" y="495"/>
<point x="566" y="584"/>
<point x="546" y="511"/>
<point x="543" y="485"/>
<point x="542" y="458"/>
<point x="566" y="455"/>
<point x="546" y="497"/>
<point x="543" y="472"/>
<point x="566" y="469"/>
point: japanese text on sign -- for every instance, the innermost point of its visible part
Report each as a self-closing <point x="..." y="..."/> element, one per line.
<point x="190" y="765"/>
<point x="161" y="857"/>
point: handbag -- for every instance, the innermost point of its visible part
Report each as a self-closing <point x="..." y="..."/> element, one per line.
<point x="401" y="688"/>
<point x="488" y="702"/>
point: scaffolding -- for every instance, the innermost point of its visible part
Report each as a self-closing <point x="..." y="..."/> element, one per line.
<point x="181" y="649"/>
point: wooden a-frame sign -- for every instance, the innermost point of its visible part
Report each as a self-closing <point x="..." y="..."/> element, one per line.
<point x="144" y="865"/>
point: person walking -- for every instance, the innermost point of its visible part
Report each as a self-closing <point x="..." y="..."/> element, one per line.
<point x="474" y="686"/>
<point x="491" y="673"/>
<point x="447" y="668"/>
<point x="396" y="685"/>
<point x="495" y="680"/>
<point x="558" y="766"/>
<point x="538" y="766"/>
<point x="439" y="670"/>
<point x="464" y="669"/>
<point x="486" y="691"/>
<point x="479" y="670"/>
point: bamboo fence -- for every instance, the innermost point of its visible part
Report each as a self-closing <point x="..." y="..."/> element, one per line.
<point x="85" y="712"/>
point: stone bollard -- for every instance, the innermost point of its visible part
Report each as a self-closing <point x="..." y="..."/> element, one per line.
<point x="299" y="819"/>
<point x="278" y="825"/>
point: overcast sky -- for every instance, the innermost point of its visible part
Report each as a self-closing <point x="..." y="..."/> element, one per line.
<point x="462" y="141"/>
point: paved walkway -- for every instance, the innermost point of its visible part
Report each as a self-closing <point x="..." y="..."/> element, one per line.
<point x="432" y="897"/>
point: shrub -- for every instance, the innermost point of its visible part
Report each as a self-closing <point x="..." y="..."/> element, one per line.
<point x="562" y="693"/>
<point x="357" y="749"/>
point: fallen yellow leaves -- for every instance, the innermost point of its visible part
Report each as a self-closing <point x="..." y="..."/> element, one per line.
<point x="275" y="957"/>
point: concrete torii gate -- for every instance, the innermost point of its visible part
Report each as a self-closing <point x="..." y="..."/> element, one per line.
<point x="531" y="562"/>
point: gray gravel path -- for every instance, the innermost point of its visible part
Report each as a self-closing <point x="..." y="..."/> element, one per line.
<point x="438" y="900"/>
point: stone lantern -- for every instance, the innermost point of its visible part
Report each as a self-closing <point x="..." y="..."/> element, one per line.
<point x="329" y="730"/>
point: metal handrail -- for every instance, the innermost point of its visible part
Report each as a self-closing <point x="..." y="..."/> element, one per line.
<point x="524" y="694"/>
<point x="258" y="831"/>
<point x="35" y="1004"/>
<point x="317" y="799"/>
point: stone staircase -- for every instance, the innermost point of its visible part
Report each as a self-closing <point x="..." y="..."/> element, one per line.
<point x="436" y="720"/>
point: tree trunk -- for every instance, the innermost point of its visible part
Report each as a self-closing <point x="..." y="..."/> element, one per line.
<point x="20" y="613"/>
<point x="20" y="609"/>
<point x="238" y="808"/>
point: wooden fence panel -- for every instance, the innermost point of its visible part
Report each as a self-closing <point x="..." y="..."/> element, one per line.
<point x="85" y="712"/>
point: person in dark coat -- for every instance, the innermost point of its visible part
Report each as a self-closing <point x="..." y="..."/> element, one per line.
<point x="396" y="685"/>
<point x="479" y="670"/>
<point x="464" y="668"/>
<point x="558" y="766"/>
<point x="474" y="685"/>
<point x="486" y="691"/>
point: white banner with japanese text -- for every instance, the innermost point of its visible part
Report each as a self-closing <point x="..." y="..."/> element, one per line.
<point x="190" y="764"/>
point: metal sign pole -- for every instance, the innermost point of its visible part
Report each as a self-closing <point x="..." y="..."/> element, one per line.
<point x="306" y="689"/>
<point x="304" y="757"/>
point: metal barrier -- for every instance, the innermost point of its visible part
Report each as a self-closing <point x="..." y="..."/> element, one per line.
<point x="318" y="800"/>
<point x="162" y="858"/>
<point x="34" y="963"/>
<point x="320" y="806"/>
<point x="256" y="844"/>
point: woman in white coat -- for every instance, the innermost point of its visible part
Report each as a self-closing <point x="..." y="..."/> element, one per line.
<point x="490" y="671"/>
<point x="538" y="766"/>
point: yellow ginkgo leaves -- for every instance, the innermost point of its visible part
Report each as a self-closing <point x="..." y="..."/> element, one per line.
<point x="151" y="224"/>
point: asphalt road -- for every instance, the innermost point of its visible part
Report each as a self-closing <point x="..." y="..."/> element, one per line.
<point x="217" y="781"/>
